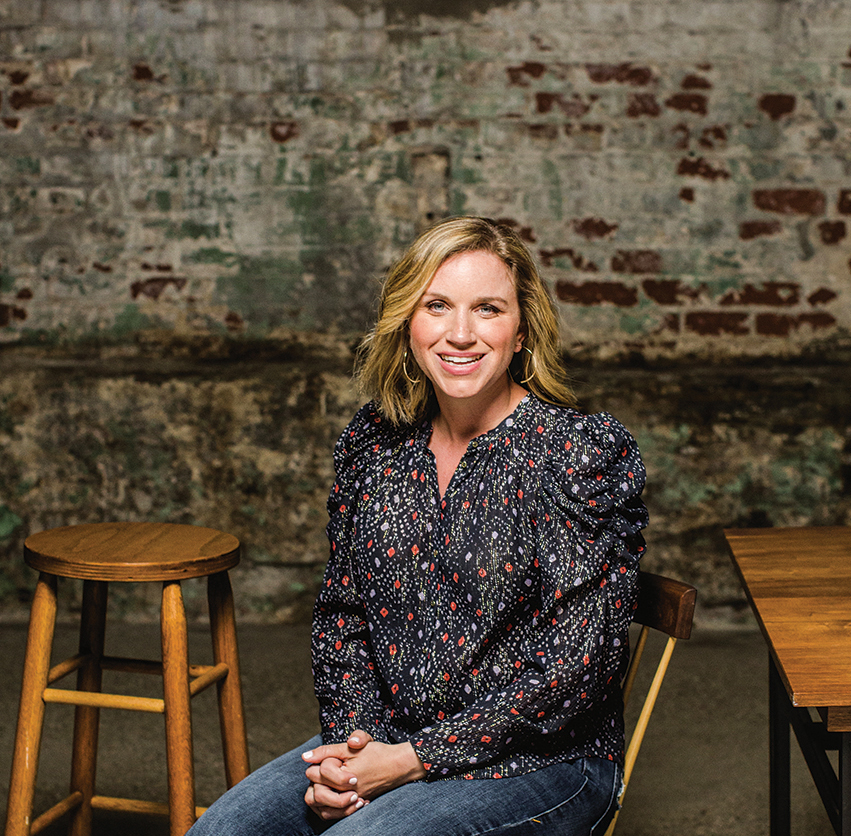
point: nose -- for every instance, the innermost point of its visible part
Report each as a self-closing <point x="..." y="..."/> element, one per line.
<point x="461" y="330"/>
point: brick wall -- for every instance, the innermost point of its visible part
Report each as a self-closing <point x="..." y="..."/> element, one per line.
<point x="221" y="181"/>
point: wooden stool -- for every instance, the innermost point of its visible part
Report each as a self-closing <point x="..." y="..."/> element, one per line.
<point x="97" y="554"/>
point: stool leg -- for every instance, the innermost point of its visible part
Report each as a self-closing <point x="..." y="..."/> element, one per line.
<point x="231" y="716"/>
<point x="31" y="710"/>
<point x="86" y="718"/>
<point x="178" y="719"/>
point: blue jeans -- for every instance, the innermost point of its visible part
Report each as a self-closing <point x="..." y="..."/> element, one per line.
<point x="567" y="799"/>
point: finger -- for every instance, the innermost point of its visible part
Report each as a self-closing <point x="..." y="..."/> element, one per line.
<point x="334" y="774"/>
<point x="333" y="750"/>
<point x="358" y="739"/>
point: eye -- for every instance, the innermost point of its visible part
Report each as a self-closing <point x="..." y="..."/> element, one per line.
<point x="488" y="310"/>
<point x="436" y="306"/>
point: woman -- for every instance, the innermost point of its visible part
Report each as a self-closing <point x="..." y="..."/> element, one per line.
<point x="484" y="536"/>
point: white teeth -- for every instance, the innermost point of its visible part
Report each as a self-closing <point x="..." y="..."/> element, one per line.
<point x="460" y="361"/>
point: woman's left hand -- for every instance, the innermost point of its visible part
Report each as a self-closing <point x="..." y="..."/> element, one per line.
<point x="363" y="765"/>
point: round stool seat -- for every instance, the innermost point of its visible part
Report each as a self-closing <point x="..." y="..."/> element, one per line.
<point x="131" y="551"/>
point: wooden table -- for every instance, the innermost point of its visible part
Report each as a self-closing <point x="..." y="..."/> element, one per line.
<point x="798" y="581"/>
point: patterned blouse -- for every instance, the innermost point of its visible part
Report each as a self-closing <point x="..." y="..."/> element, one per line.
<point x="487" y="627"/>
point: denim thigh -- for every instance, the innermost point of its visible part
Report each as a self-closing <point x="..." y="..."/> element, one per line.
<point x="566" y="799"/>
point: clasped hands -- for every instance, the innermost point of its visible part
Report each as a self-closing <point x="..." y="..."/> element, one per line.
<point x="345" y="776"/>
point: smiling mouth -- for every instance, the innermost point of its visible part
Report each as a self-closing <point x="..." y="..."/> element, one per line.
<point x="461" y="361"/>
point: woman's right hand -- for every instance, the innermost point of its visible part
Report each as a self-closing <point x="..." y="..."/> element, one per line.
<point x="331" y="794"/>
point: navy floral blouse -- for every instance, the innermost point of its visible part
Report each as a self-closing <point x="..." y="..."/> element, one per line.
<point x="487" y="627"/>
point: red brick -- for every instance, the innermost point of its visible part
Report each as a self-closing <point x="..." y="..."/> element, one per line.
<point x="573" y="107"/>
<point x="520" y="75"/>
<point x="687" y="194"/>
<point x="525" y="232"/>
<point x="577" y="259"/>
<point x="843" y="205"/>
<point x="781" y="325"/>
<point x="691" y="102"/>
<point x="699" y="167"/>
<point x="777" y="105"/>
<point x="597" y="293"/>
<point x="592" y="228"/>
<point x="668" y="291"/>
<point x="715" y="324"/>
<point x="283" y="131"/>
<point x="543" y="131"/>
<point x="621" y="73"/>
<point x="832" y="232"/>
<point x="10" y="312"/>
<point x="642" y="104"/>
<point x="713" y="136"/>
<point x="153" y="287"/>
<point x="790" y="201"/>
<point x="696" y="82"/>
<point x="20" y="99"/>
<point x="748" y="230"/>
<point x="821" y="296"/>
<point x="637" y="261"/>
<point x="775" y="294"/>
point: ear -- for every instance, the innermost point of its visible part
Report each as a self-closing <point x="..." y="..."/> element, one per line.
<point x="518" y="346"/>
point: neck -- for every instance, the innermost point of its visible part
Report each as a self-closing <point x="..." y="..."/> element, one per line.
<point x="460" y="421"/>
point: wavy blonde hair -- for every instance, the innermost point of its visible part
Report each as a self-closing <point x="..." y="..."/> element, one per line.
<point x="381" y="369"/>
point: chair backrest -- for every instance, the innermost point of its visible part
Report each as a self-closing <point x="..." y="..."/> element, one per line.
<point x="665" y="605"/>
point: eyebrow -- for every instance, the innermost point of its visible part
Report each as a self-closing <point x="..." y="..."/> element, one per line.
<point x="480" y="301"/>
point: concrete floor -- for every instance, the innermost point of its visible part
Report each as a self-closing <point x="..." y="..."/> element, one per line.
<point x="703" y="768"/>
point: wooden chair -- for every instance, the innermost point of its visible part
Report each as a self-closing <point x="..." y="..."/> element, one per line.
<point x="668" y="606"/>
<point x="98" y="554"/>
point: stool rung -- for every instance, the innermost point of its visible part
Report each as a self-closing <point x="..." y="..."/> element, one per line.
<point x="208" y="677"/>
<point x="96" y="699"/>
<point x="68" y="666"/>
<point x="133" y="805"/>
<point x="56" y="812"/>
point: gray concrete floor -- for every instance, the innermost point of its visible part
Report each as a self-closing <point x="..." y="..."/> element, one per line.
<point x="703" y="768"/>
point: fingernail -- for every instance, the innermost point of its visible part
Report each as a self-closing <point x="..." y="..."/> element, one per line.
<point x="353" y="798"/>
<point x="353" y="780"/>
<point x="308" y="755"/>
<point x="358" y="805"/>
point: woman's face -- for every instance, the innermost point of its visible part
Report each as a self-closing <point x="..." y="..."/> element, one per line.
<point x="467" y="327"/>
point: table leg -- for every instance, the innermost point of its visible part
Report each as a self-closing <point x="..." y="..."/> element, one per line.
<point x="779" y="755"/>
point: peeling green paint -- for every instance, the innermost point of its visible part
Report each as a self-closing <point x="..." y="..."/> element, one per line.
<point x="9" y="521"/>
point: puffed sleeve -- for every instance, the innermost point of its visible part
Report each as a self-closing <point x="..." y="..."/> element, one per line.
<point x="589" y="517"/>
<point x="343" y="671"/>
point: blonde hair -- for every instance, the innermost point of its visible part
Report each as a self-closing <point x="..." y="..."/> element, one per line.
<point x="402" y="392"/>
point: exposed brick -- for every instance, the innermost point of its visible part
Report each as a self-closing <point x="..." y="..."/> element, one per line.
<point x="636" y="261"/>
<point x="781" y="325"/>
<point x="716" y="324"/>
<point x="668" y="291"/>
<point x="777" y="105"/>
<point x="283" y="131"/>
<point x="525" y="232"/>
<point x="775" y="294"/>
<point x="11" y="124"/>
<point x="520" y="75"/>
<point x="233" y="321"/>
<point x="597" y="293"/>
<point x="24" y="293"/>
<point x="21" y="99"/>
<point x="684" y="132"/>
<point x="574" y="107"/>
<point x="10" y="312"/>
<point x="790" y="201"/>
<point x="101" y="268"/>
<point x="142" y="72"/>
<point x="153" y="287"/>
<point x="691" y="102"/>
<point x="592" y="228"/>
<point x="748" y="230"/>
<point x="699" y="167"/>
<point x="832" y="232"/>
<point x="642" y="104"/>
<point x="696" y="82"/>
<point x="821" y="296"/>
<point x="543" y="131"/>
<point x="843" y="205"/>
<point x="18" y="76"/>
<point x="622" y="73"/>
<point x="713" y="136"/>
<point x="578" y="260"/>
<point x="687" y="194"/>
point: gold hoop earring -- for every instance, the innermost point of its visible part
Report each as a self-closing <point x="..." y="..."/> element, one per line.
<point x="534" y="370"/>
<point x="405" y="371"/>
